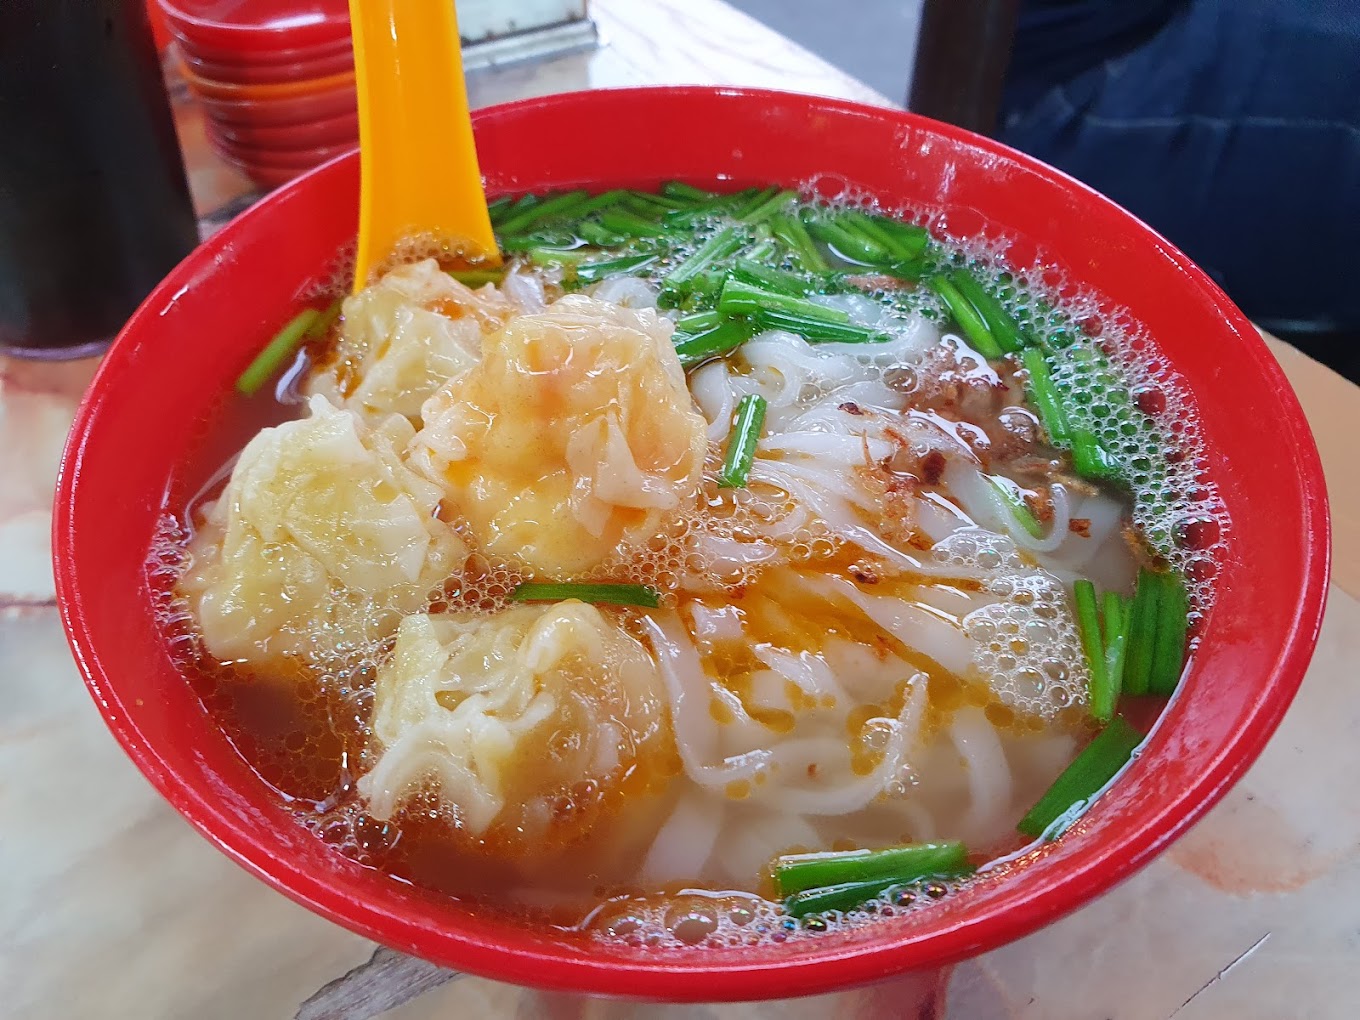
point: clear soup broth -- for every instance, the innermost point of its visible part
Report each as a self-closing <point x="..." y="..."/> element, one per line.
<point x="724" y="568"/>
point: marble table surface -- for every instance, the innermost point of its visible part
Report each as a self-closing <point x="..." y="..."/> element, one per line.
<point x="111" y="907"/>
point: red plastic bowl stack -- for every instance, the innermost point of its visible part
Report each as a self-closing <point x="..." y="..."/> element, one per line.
<point x="275" y="77"/>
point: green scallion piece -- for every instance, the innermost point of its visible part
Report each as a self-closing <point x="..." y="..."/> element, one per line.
<point x="1142" y="635"/>
<point x="547" y="255"/>
<point x="604" y="200"/>
<point x="538" y="239"/>
<point x="1115" y="615"/>
<point x="777" y="281"/>
<point x="686" y="192"/>
<point x="719" y="246"/>
<point x="1090" y="772"/>
<point x="322" y="325"/>
<point x="1089" y="458"/>
<point x="594" y="272"/>
<point x="726" y="336"/>
<point x="795" y="873"/>
<point x="621" y="221"/>
<point x="477" y="277"/>
<point x="649" y="203"/>
<point x="598" y="594"/>
<point x="906" y="241"/>
<point x="791" y="231"/>
<point x="750" y="201"/>
<point x="851" y="246"/>
<point x="741" y="298"/>
<point x="525" y="201"/>
<point x="967" y="317"/>
<point x="768" y="207"/>
<point x="558" y="205"/>
<point x="913" y="271"/>
<point x="1017" y="506"/>
<point x="844" y="897"/>
<point x="698" y="322"/>
<point x="741" y="442"/>
<point x="499" y="208"/>
<point x="1046" y="397"/>
<point x="1003" y="328"/>
<point x="1088" y="628"/>
<point x="276" y="352"/>
<point x="817" y="330"/>
<point x="762" y="252"/>
<point x="1168" y="654"/>
<point x="599" y="235"/>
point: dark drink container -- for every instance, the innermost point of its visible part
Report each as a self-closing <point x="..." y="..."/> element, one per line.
<point x="94" y="206"/>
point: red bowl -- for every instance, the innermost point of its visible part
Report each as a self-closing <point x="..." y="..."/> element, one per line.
<point x="175" y="362"/>
<point x="252" y="26"/>
<point x="292" y="110"/>
<point x="268" y="72"/>
<point x="226" y="56"/>
<point x="341" y="130"/>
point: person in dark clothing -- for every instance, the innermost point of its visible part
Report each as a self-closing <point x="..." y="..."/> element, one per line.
<point x="1230" y="126"/>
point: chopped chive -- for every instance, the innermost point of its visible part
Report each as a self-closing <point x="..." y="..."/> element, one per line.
<point x="726" y="336"/>
<point x="477" y="277"/>
<point x="1115" y="623"/>
<point x="650" y="203"/>
<point x="741" y="298"/>
<point x="638" y="205"/>
<point x="498" y="208"/>
<point x="762" y="252"/>
<point x="1089" y="458"/>
<point x="606" y="594"/>
<point x="1142" y="633"/>
<point x="1017" y="506"/>
<point x="850" y="246"/>
<point x="906" y="241"/>
<point x="769" y="207"/>
<point x="599" y="235"/>
<point x="1168" y="653"/>
<point x="276" y="352"/>
<point x="968" y="319"/>
<point x="913" y="271"/>
<point x="593" y="272"/>
<point x="719" y="246"/>
<point x="741" y="442"/>
<point x="322" y="325"/>
<point x="791" y="231"/>
<point x="1090" y="771"/>
<point x="550" y="208"/>
<point x="752" y="201"/>
<point x="843" y="897"/>
<point x="686" y="192"/>
<point x="777" y="281"/>
<point x="1045" y="396"/>
<point x="818" y="330"/>
<point x="546" y="255"/>
<point x="604" y="200"/>
<point x="795" y="873"/>
<point x="999" y="322"/>
<point x="1088" y="628"/>
<point x="621" y="221"/>
<point x="538" y="239"/>
<point x="525" y="201"/>
<point x="698" y="322"/>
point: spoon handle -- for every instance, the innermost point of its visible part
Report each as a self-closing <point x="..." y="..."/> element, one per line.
<point x="418" y="162"/>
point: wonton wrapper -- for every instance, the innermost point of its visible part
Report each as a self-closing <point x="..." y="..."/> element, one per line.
<point x="575" y="434"/>
<point x="405" y="336"/>
<point x="320" y="541"/>
<point x="525" y="722"/>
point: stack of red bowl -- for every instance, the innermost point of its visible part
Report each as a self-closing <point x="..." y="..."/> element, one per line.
<point x="275" y="77"/>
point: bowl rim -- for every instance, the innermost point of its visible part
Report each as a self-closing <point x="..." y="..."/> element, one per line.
<point x="796" y="974"/>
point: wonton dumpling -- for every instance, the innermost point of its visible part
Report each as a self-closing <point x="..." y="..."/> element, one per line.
<point x="322" y="538"/>
<point x="574" y="434"/>
<point x="406" y="335"/>
<point x="524" y="723"/>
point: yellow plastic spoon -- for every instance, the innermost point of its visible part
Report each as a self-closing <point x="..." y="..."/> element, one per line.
<point x="417" y="163"/>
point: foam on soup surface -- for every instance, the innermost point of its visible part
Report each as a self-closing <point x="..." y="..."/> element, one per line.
<point x="870" y="630"/>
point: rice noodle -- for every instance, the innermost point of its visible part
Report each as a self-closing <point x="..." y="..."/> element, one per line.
<point x="989" y="776"/>
<point x="685" y="842"/>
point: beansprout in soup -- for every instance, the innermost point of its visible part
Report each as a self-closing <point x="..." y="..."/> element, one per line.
<point x="726" y="567"/>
